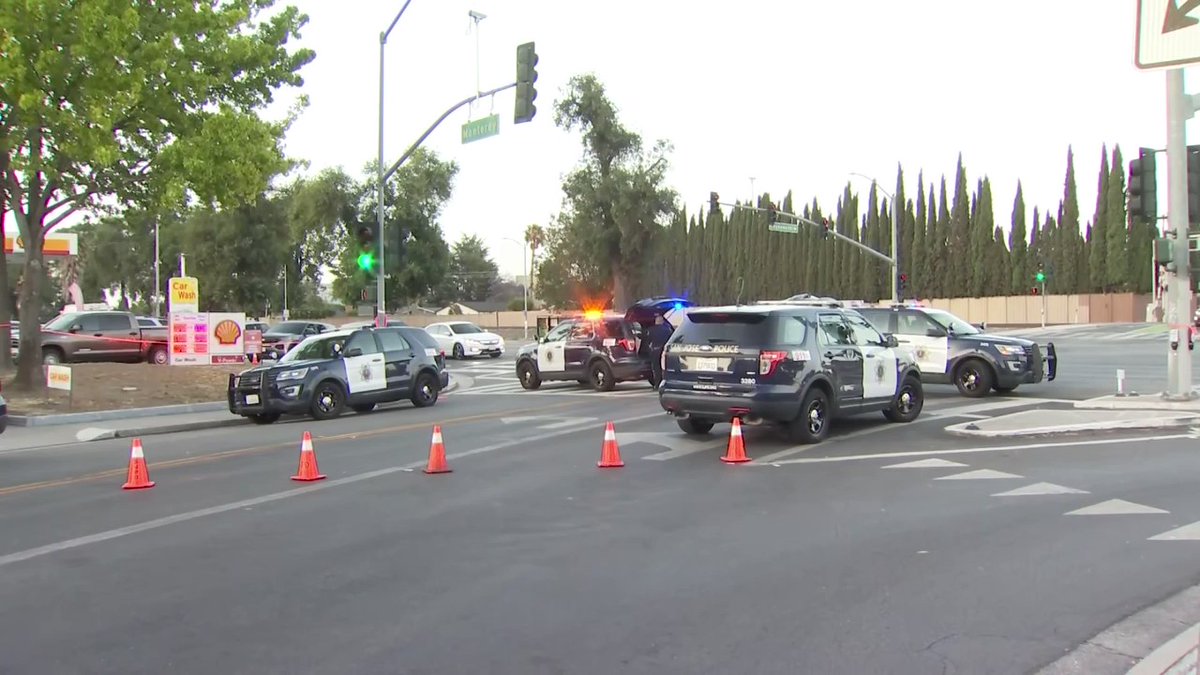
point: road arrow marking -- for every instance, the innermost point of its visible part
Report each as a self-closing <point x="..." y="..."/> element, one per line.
<point x="926" y="464"/>
<point x="1185" y="533"/>
<point x="1114" y="507"/>
<point x="980" y="474"/>
<point x="679" y="445"/>
<point x="1041" y="489"/>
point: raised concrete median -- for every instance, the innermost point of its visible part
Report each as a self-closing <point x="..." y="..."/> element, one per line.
<point x="1044" y="422"/>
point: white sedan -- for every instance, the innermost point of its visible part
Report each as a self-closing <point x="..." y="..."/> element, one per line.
<point x="461" y="339"/>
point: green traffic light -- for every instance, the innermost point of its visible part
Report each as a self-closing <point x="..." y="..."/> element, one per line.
<point x="366" y="262"/>
<point x="1040" y="277"/>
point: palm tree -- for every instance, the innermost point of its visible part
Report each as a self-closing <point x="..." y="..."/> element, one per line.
<point x="535" y="237"/>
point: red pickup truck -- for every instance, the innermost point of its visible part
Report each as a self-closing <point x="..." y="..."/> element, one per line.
<point x="102" y="336"/>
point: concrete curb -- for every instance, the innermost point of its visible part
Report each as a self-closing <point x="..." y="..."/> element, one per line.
<point x="1138" y="402"/>
<point x="199" y="425"/>
<point x="105" y="415"/>
<point x="1182" y="420"/>
<point x="1149" y="641"/>
<point x="1177" y="656"/>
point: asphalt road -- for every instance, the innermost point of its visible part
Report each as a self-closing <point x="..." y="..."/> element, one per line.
<point x="529" y="559"/>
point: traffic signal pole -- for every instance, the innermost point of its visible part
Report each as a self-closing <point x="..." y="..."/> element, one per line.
<point x="835" y="234"/>
<point x="381" y="306"/>
<point x="1180" y="107"/>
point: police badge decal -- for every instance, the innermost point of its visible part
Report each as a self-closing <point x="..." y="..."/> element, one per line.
<point x="364" y="373"/>
<point x="879" y="372"/>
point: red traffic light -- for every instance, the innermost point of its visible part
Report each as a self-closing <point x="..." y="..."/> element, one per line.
<point x="1036" y="291"/>
<point x="903" y="278"/>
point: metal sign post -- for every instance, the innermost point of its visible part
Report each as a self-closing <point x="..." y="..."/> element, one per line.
<point x="1168" y="37"/>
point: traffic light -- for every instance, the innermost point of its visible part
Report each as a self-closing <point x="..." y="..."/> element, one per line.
<point x="903" y="283"/>
<point x="826" y="228"/>
<point x="527" y="60"/>
<point x="713" y="202"/>
<point x="1036" y="291"/>
<point x="368" y="250"/>
<point x="1143" y="187"/>
<point x="772" y="212"/>
<point x="1040" y="276"/>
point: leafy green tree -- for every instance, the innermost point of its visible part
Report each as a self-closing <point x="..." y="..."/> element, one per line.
<point x="140" y="103"/>
<point x="616" y="200"/>
<point x="418" y="256"/>
<point x="471" y="275"/>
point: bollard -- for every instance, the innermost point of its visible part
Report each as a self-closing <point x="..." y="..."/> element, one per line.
<point x="1120" y="382"/>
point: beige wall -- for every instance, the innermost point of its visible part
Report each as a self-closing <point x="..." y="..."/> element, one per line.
<point x="1060" y="309"/>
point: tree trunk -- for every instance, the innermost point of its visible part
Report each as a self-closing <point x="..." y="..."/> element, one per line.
<point x="620" y="287"/>
<point x="34" y="274"/>
<point x="6" y="308"/>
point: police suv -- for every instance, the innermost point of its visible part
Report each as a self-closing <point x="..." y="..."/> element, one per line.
<point x="358" y="369"/>
<point x="797" y="366"/>
<point x="950" y="350"/>
<point x="595" y="348"/>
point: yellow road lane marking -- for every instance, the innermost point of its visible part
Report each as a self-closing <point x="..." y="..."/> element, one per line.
<point x="224" y="454"/>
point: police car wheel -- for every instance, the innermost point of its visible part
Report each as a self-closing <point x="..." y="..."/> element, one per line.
<point x="909" y="402"/>
<point x="328" y="401"/>
<point x="528" y="376"/>
<point x="1006" y="390"/>
<point x="425" y="391"/>
<point x="601" y="376"/>
<point x="812" y="424"/>
<point x="973" y="378"/>
<point x="693" y="426"/>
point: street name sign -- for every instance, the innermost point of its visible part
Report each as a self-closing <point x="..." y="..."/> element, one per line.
<point x="789" y="228"/>
<point x="481" y="128"/>
<point x="1168" y="33"/>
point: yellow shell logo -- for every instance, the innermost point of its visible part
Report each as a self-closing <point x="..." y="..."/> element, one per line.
<point x="227" y="332"/>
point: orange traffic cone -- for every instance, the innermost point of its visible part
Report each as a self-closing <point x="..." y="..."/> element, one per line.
<point x="308" y="461"/>
<point x="610" y="454"/>
<point x="735" y="452"/>
<point x="138" y="476"/>
<point x="437" y="453"/>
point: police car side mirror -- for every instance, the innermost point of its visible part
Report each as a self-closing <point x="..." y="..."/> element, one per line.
<point x="890" y="340"/>
<point x="353" y="351"/>
<point x="935" y="333"/>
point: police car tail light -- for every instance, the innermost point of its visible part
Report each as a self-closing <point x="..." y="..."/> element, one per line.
<point x="769" y="361"/>
<point x="628" y="345"/>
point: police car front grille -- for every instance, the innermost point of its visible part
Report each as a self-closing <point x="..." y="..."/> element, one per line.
<point x="250" y="381"/>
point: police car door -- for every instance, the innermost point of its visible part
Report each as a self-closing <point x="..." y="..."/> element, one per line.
<point x="551" y="351"/>
<point x="880" y="364"/>
<point x="840" y="355"/>
<point x="365" y="364"/>
<point x="925" y="339"/>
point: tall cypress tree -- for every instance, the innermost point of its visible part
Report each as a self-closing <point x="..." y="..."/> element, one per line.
<point x="982" y="252"/>
<point x="872" y="268"/>
<point x="941" y="267"/>
<point x="960" y="233"/>
<point x="1018" y="244"/>
<point x="1067" y="244"/>
<point x="1116" y="238"/>
<point x="1036" y="255"/>
<point x="917" y="249"/>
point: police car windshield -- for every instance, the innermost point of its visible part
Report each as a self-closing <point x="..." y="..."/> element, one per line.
<point x="952" y="323"/>
<point x="316" y="348"/>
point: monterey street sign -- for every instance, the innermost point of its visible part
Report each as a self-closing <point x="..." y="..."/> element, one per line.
<point x="480" y="128"/>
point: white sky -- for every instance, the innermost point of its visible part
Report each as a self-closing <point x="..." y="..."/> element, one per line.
<point x="794" y="94"/>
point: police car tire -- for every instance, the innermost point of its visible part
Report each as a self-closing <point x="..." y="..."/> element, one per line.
<point x="983" y="381"/>
<point x="601" y="376"/>
<point x="1005" y="390"/>
<point x="363" y="408"/>
<point x="693" y="427"/>
<point x="893" y="413"/>
<point x="339" y="400"/>
<point x="798" y="430"/>
<point x="528" y="376"/>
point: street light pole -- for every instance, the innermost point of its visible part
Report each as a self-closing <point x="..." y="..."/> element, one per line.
<point x="380" y="274"/>
<point x="157" y="281"/>
<point x="524" y="282"/>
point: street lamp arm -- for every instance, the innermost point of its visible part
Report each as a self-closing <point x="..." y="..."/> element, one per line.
<point x="413" y="148"/>
<point x="806" y="221"/>
<point x="384" y="35"/>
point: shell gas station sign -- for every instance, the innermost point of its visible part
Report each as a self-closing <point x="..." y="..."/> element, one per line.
<point x="185" y="294"/>
<point x="61" y="245"/>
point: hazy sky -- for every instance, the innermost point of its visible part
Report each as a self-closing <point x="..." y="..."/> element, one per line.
<point x="795" y="95"/>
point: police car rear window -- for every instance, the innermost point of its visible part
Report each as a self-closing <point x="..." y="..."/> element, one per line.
<point x="726" y="328"/>
<point x="615" y="328"/>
